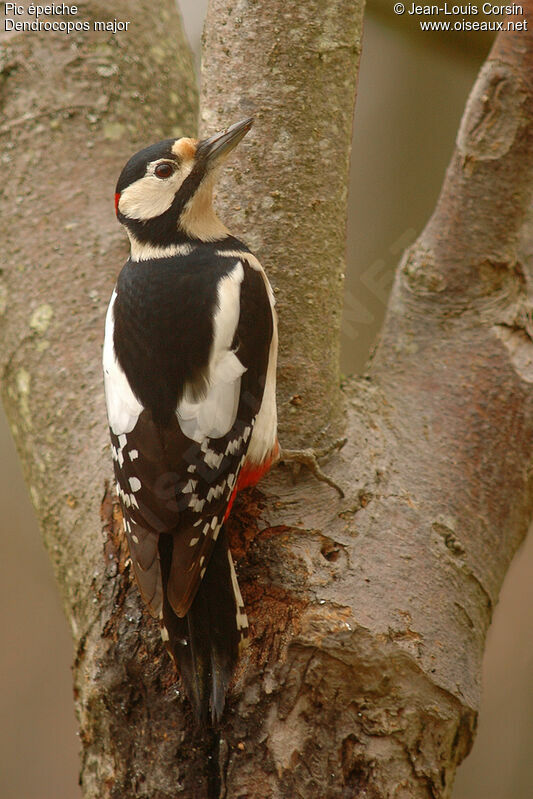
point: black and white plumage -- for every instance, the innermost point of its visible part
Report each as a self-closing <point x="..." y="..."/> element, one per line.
<point x="189" y="368"/>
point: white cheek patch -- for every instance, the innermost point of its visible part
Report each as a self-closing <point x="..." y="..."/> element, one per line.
<point x="151" y="196"/>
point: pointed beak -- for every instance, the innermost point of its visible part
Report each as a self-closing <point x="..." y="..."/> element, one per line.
<point x="212" y="150"/>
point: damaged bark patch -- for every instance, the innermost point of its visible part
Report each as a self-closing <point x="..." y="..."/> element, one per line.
<point x="519" y="344"/>
<point x="242" y="526"/>
<point x="330" y="550"/>
<point x="274" y="616"/>
<point x="116" y="551"/>
<point x="356" y="771"/>
<point x="273" y="611"/>
<point x="493" y="115"/>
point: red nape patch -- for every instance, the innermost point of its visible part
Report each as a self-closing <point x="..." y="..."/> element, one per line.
<point x="117" y="198"/>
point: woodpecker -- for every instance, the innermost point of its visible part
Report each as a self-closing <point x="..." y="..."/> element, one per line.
<point x="190" y="382"/>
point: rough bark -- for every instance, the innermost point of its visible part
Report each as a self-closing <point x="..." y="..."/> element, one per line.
<point x="368" y="614"/>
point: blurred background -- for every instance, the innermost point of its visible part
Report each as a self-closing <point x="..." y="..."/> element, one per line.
<point x="412" y="90"/>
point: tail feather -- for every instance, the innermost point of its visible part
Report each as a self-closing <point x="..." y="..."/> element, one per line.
<point x="205" y="643"/>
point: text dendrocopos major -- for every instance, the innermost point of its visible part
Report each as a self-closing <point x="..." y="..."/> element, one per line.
<point x="190" y="380"/>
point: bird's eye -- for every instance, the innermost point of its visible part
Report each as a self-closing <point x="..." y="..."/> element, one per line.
<point x="163" y="171"/>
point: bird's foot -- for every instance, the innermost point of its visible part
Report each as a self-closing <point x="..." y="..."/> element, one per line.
<point x="309" y="458"/>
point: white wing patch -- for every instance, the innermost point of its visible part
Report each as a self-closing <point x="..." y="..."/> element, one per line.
<point x="123" y="407"/>
<point x="265" y="429"/>
<point x="214" y="415"/>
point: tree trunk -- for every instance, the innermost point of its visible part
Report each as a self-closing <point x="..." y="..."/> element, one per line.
<point x="368" y="614"/>
<point x="294" y="67"/>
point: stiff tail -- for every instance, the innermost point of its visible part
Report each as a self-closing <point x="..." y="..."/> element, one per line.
<point x="205" y="643"/>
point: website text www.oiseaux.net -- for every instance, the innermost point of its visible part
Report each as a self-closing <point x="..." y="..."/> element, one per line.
<point x="511" y="17"/>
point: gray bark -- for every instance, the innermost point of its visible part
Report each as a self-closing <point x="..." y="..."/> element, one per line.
<point x="368" y="614"/>
<point x="295" y="66"/>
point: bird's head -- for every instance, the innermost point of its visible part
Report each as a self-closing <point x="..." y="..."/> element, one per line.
<point x="164" y="193"/>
